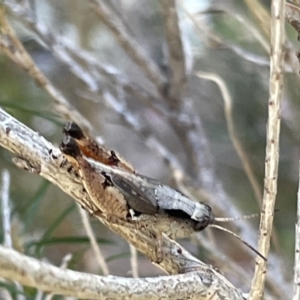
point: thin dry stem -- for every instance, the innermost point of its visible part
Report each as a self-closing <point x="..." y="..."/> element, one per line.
<point x="6" y="212"/>
<point x="31" y="272"/>
<point x="134" y="261"/>
<point x="272" y="148"/>
<point x="177" y="89"/>
<point x="91" y="235"/>
<point x="296" y="292"/>
<point x="6" y="209"/>
<point x="6" y="224"/>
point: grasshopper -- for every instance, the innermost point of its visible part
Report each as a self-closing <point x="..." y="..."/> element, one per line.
<point x="119" y="192"/>
<point x="116" y="189"/>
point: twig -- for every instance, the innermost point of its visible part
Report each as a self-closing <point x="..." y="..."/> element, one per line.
<point x="64" y="264"/>
<point x="90" y="233"/>
<point x="128" y="43"/>
<point x="11" y="46"/>
<point x="31" y="272"/>
<point x="272" y="148"/>
<point x="6" y="225"/>
<point x="296" y="292"/>
<point x="134" y="262"/>
<point x="177" y="89"/>
<point x="6" y="209"/>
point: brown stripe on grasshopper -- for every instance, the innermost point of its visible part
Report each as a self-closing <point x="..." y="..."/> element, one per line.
<point x="92" y="149"/>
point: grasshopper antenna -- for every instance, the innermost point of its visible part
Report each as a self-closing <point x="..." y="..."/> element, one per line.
<point x="237" y="218"/>
<point x="256" y="215"/>
<point x="236" y="236"/>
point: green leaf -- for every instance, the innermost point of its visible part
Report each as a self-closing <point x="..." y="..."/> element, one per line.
<point x="118" y="256"/>
<point x="54" y="225"/>
<point x="66" y="240"/>
<point x="45" y="115"/>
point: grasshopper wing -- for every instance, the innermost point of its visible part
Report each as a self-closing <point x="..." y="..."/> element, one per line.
<point x="139" y="197"/>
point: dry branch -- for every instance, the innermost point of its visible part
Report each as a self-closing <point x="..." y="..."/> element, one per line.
<point x="297" y="248"/>
<point x="31" y="272"/>
<point x="177" y="88"/>
<point x="272" y="148"/>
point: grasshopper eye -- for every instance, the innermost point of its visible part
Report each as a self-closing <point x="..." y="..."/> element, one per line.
<point x="205" y="219"/>
<point x="73" y="130"/>
<point x="200" y="225"/>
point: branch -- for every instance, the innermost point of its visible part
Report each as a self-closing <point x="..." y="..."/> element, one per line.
<point x="272" y="148"/>
<point x="6" y="214"/>
<point x="38" y="155"/>
<point x="6" y="210"/>
<point x="296" y="294"/>
<point x="128" y="43"/>
<point x="31" y="272"/>
<point x="176" y="53"/>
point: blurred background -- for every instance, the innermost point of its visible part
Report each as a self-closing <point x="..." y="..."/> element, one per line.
<point x="223" y="38"/>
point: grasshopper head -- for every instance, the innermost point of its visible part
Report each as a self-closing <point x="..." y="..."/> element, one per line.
<point x="203" y="216"/>
<point x="73" y="130"/>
